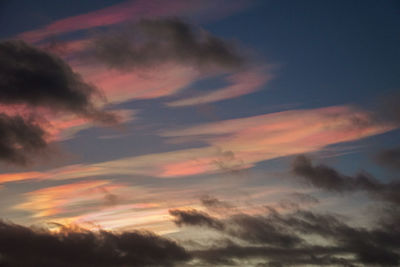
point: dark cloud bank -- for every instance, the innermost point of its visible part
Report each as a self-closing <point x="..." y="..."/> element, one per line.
<point x="23" y="246"/>
<point x="34" y="78"/>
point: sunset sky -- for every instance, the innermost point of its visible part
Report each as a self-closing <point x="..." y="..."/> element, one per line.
<point x="199" y="133"/>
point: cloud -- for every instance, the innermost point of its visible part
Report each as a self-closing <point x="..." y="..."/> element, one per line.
<point x="267" y="136"/>
<point x="20" y="139"/>
<point x="33" y="77"/>
<point x="329" y="179"/>
<point x="23" y="246"/>
<point x="149" y="43"/>
<point x="237" y="255"/>
<point x="71" y="198"/>
<point x="132" y="57"/>
<point x="131" y="11"/>
<point x="194" y="217"/>
<point x="235" y="144"/>
<point x="165" y="80"/>
<point x="213" y="203"/>
<point x="241" y="83"/>
<point x="253" y="229"/>
<point x="297" y="238"/>
<point x="35" y="87"/>
<point x="297" y="200"/>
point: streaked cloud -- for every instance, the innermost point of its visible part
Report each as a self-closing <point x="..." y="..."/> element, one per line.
<point x="240" y="83"/>
<point x="236" y="144"/>
<point x="129" y="11"/>
<point x="161" y="81"/>
<point x="67" y="199"/>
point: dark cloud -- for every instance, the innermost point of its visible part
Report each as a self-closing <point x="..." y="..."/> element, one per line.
<point x="195" y="218"/>
<point x="23" y="246"/>
<point x="31" y="76"/>
<point x="288" y="240"/>
<point x="389" y="158"/>
<point x="20" y="139"/>
<point x="329" y="179"/>
<point x="250" y="228"/>
<point x="213" y="203"/>
<point x="262" y="230"/>
<point x="151" y="42"/>
<point x="324" y="177"/>
<point x="35" y="79"/>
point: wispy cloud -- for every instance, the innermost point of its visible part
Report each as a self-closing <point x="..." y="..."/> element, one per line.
<point x="130" y="11"/>
<point x="241" y="83"/>
<point x="65" y="199"/>
<point x="236" y="144"/>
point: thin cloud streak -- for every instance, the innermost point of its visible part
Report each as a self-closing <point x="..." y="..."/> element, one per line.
<point x="128" y="11"/>
<point x="240" y="84"/>
<point x="64" y="199"/>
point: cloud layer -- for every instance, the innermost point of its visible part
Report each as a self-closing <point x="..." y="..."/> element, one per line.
<point x="24" y="246"/>
<point x="291" y="239"/>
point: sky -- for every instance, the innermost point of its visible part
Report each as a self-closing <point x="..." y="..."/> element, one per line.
<point x="199" y="133"/>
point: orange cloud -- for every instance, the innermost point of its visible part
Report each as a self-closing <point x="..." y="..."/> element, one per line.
<point x="66" y="198"/>
<point x="19" y="176"/>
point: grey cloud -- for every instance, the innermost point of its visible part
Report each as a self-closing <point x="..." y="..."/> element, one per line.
<point x="195" y="218"/>
<point x="153" y="41"/>
<point x="329" y="179"/>
<point x="284" y="240"/>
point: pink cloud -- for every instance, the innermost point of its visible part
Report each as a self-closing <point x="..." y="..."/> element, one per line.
<point x="163" y="80"/>
<point x="129" y="11"/>
<point x="235" y="144"/>
<point x="241" y="83"/>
